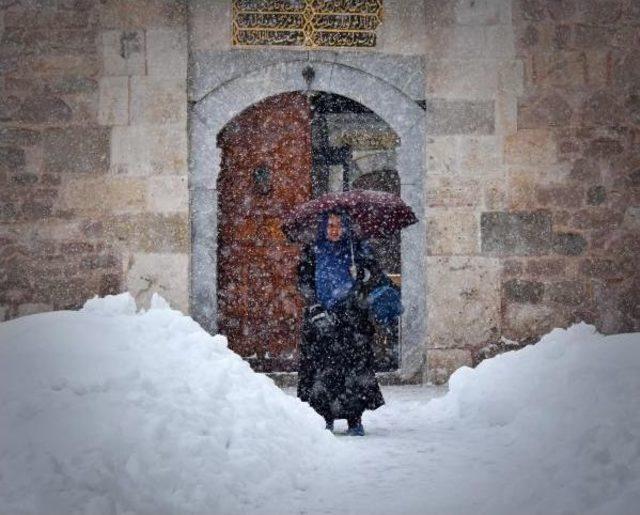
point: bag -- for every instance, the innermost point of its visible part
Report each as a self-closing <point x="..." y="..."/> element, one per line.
<point x="385" y="304"/>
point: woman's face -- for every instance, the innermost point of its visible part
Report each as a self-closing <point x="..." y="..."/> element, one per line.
<point x="334" y="228"/>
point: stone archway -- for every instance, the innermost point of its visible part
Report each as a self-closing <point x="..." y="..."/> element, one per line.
<point x="210" y="114"/>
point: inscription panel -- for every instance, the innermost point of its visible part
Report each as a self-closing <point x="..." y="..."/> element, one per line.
<point x="310" y="23"/>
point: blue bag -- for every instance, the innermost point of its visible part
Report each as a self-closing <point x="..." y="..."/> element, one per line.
<point x="385" y="304"/>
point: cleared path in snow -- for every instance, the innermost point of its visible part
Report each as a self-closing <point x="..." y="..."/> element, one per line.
<point x="411" y="462"/>
<point x="402" y="465"/>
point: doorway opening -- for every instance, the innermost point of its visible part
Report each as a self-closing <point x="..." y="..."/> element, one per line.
<point x="276" y="154"/>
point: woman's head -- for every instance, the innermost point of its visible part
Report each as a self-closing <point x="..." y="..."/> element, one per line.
<point x="334" y="227"/>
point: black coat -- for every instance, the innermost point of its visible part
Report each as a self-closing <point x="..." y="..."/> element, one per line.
<point x="336" y="374"/>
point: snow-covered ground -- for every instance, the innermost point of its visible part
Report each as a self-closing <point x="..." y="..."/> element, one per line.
<point x="108" y="411"/>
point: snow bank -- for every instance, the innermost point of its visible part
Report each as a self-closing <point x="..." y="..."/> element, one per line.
<point x="109" y="411"/>
<point x="566" y="412"/>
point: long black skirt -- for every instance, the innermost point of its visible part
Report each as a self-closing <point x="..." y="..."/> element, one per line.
<point x="336" y="373"/>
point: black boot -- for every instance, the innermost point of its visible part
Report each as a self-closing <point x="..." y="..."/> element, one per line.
<point x="355" y="426"/>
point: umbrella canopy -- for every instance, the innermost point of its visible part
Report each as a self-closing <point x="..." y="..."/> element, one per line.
<point x="373" y="214"/>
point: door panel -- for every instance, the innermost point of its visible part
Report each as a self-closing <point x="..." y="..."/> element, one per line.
<point x="266" y="171"/>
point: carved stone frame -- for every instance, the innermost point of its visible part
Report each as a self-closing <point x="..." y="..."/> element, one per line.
<point x="212" y="108"/>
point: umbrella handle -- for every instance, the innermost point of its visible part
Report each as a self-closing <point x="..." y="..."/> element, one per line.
<point x="353" y="270"/>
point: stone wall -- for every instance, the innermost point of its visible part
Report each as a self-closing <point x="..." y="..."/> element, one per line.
<point x="533" y="161"/>
<point x="533" y="191"/>
<point x="93" y="152"/>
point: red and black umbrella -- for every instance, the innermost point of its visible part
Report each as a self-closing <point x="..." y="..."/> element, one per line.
<point x="373" y="214"/>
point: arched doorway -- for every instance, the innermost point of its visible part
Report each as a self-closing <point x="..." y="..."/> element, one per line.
<point x="213" y="110"/>
<point x="276" y="154"/>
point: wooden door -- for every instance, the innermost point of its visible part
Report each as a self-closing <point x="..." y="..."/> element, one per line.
<point x="265" y="172"/>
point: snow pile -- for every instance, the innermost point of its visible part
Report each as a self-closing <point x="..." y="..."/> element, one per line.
<point x="566" y="412"/>
<point x="109" y="411"/>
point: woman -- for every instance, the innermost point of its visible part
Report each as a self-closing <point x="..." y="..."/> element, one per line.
<point x="336" y="373"/>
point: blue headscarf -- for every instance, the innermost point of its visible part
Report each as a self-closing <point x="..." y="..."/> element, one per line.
<point x="333" y="262"/>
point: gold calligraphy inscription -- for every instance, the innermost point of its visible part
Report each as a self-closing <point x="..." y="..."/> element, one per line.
<point x="311" y="23"/>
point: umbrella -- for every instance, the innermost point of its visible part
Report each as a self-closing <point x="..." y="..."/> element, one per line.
<point x="373" y="214"/>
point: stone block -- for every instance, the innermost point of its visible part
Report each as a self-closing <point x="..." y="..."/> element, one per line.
<point x="147" y="150"/>
<point x="460" y="117"/>
<point x="457" y="42"/>
<point x="451" y="232"/>
<point x="123" y="52"/>
<point x="571" y="293"/>
<point x="562" y="10"/>
<point x="167" y="194"/>
<point x="601" y="108"/>
<point x="18" y="136"/>
<point x="149" y="232"/>
<point x="530" y="147"/>
<point x="559" y="195"/>
<point x="585" y="170"/>
<point x="76" y="150"/>
<point x="463" y="299"/>
<point x="482" y="12"/>
<point x="164" y="273"/>
<point x="9" y="106"/>
<point x="475" y="79"/>
<point x="43" y="108"/>
<point x="543" y="268"/>
<point x="632" y="217"/>
<point x="627" y="69"/>
<point x="544" y="111"/>
<point x="596" y="195"/>
<point x="597" y="218"/>
<point x="33" y="309"/>
<point x="518" y="290"/>
<point x="516" y="233"/>
<point x="569" y="244"/>
<point x="506" y="114"/>
<point x="604" y="147"/>
<point x="632" y="105"/>
<point x="511" y="77"/>
<point x="602" y="268"/>
<point x="601" y="12"/>
<point x="117" y="195"/>
<point x="204" y="34"/>
<point x="495" y="194"/>
<point x="55" y="65"/>
<point x="73" y="85"/>
<point x="167" y="53"/>
<point x="479" y="155"/>
<point x="562" y="68"/>
<point x="146" y="13"/>
<point x="114" y="101"/>
<point x="528" y="322"/>
<point x="442" y="155"/>
<point x="12" y="159"/>
<point x="530" y="10"/>
<point x="36" y="15"/>
<point x="445" y="191"/>
<point x="617" y="306"/>
<point x="441" y="363"/>
<point x="500" y="42"/>
<point x="406" y="18"/>
<point x="158" y="101"/>
<point x="100" y="262"/>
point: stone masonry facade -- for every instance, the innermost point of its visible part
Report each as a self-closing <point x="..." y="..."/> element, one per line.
<point x="532" y="186"/>
<point x="93" y="152"/>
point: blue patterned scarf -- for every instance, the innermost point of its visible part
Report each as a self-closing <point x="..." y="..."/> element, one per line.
<point x="333" y="262"/>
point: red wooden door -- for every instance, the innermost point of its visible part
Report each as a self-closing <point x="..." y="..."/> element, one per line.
<point x="266" y="170"/>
